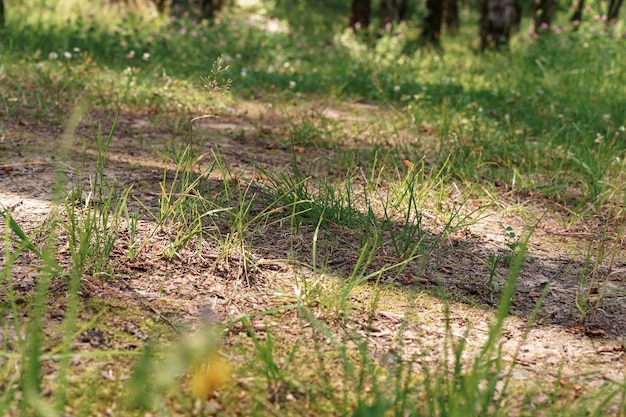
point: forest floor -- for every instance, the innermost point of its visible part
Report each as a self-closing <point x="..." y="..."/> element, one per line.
<point x="565" y="347"/>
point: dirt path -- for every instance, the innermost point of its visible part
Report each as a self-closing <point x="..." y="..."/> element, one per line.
<point x="181" y="288"/>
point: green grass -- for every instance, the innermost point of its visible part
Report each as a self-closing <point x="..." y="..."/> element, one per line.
<point x="460" y="129"/>
<point x="496" y="115"/>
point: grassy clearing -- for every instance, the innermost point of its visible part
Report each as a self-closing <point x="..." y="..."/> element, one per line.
<point x="358" y="208"/>
<point x="495" y="115"/>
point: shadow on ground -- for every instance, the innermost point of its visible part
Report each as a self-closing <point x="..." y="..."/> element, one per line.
<point x="471" y="264"/>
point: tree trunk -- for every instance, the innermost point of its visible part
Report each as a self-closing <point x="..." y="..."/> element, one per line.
<point x="432" y="22"/>
<point x="1" y="13"/>
<point x="161" y="5"/>
<point x="497" y="17"/>
<point x="577" y="14"/>
<point x="209" y="7"/>
<point x="614" y="6"/>
<point x="542" y="12"/>
<point x="360" y="14"/>
<point x="516" y="16"/>
<point x="392" y="11"/>
<point x="403" y="8"/>
<point x="452" y="16"/>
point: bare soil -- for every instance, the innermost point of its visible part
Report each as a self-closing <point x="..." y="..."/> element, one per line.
<point x="150" y="288"/>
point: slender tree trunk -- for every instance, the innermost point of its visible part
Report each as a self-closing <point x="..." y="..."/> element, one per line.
<point x="403" y="8"/>
<point x="161" y="5"/>
<point x="614" y="6"/>
<point x="209" y="7"/>
<point x="577" y="14"/>
<point x="451" y="12"/>
<point x="1" y="13"/>
<point x="542" y="12"/>
<point x="432" y="22"/>
<point x="497" y="17"/>
<point x="516" y="15"/>
<point x="392" y="11"/>
<point x="360" y="14"/>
